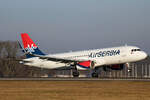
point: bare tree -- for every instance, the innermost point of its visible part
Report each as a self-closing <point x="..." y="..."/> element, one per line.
<point x="9" y="66"/>
<point x="11" y="48"/>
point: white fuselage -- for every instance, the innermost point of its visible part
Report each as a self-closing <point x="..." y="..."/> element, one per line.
<point x="107" y="56"/>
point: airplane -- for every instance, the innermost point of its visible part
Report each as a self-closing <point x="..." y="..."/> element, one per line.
<point x="114" y="58"/>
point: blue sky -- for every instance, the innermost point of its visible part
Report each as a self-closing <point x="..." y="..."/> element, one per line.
<point x="69" y="25"/>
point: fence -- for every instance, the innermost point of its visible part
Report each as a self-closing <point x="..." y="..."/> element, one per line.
<point x="137" y="71"/>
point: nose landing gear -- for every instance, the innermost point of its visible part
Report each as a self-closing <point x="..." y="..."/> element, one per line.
<point x="129" y="70"/>
<point x="129" y="67"/>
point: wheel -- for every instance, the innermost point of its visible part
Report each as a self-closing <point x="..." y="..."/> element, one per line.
<point x="76" y="74"/>
<point x="129" y="70"/>
<point x="95" y="75"/>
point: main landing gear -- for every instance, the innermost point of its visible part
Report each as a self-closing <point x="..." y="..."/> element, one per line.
<point x="95" y="73"/>
<point x="75" y="72"/>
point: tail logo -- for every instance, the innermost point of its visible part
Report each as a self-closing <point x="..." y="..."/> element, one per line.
<point x="31" y="48"/>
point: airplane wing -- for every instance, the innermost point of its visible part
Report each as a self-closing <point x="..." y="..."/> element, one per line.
<point x="58" y="59"/>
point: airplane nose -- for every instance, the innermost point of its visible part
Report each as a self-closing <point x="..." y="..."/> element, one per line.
<point x="145" y="55"/>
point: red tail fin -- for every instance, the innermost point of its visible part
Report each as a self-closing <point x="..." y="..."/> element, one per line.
<point x="30" y="46"/>
<point x="27" y="41"/>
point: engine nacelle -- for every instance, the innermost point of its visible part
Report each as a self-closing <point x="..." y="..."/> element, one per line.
<point x="86" y="65"/>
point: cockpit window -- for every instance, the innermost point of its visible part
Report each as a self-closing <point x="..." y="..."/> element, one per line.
<point x="133" y="50"/>
<point x="138" y="49"/>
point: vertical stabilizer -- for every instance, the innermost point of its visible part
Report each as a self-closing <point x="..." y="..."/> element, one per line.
<point x="30" y="46"/>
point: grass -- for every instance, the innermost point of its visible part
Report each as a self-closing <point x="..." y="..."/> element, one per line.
<point x="74" y="90"/>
